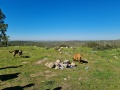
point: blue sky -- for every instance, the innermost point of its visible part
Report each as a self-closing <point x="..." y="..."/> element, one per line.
<point x="62" y="19"/>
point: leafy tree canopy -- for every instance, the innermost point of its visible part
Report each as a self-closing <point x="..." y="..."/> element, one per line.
<point x="3" y="29"/>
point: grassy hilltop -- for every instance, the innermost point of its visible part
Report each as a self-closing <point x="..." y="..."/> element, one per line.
<point x="102" y="72"/>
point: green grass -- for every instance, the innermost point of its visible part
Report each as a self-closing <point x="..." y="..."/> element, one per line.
<point x="102" y="73"/>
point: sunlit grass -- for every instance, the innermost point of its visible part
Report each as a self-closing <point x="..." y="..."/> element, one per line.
<point x="102" y="71"/>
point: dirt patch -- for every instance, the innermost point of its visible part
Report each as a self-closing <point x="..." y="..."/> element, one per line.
<point x="25" y="62"/>
<point x="47" y="74"/>
<point x="41" y="61"/>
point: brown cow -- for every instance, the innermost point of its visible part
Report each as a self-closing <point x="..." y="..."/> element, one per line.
<point x="77" y="57"/>
<point x="19" y="52"/>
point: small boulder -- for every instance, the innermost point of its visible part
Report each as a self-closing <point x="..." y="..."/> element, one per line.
<point x="46" y="64"/>
<point x="50" y="65"/>
<point x="73" y="64"/>
<point x="57" y="67"/>
<point x="65" y="65"/>
<point x="57" y="63"/>
<point x="66" y="62"/>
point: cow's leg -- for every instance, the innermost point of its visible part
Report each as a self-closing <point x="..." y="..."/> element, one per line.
<point x="73" y="59"/>
<point x="14" y="54"/>
<point x="80" y="61"/>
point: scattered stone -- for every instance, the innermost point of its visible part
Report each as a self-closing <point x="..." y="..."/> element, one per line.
<point x="57" y="67"/>
<point x="58" y="61"/>
<point x="65" y="79"/>
<point x="61" y="52"/>
<point x="73" y="64"/>
<point x="50" y="65"/>
<point x="66" y="62"/>
<point x="65" y="65"/>
<point x="46" y="64"/>
<point x="86" y="68"/>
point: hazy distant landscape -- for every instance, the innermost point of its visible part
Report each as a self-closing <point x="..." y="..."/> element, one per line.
<point x="73" y="43"/>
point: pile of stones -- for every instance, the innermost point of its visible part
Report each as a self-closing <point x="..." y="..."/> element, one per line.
<point x="58" y="64"/>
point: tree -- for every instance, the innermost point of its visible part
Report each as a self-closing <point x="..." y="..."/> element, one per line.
<point x="3" y="29"/>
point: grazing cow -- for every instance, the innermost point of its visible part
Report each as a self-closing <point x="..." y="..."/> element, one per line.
<point x="77" y="57"/>
<point x="19" y="52"/>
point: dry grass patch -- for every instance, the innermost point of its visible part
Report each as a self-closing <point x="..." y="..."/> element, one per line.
<point x="46" y="74"/>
